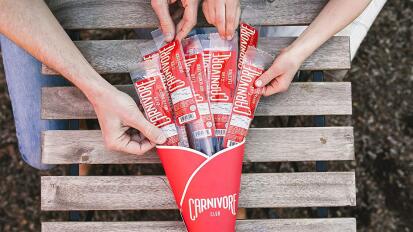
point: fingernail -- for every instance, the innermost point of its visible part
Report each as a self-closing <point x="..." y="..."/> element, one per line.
<point x="229" y="37"/>
<point x="168" y="36"/>
<point x="161" y="139"/>
<point x="258" y="83"/>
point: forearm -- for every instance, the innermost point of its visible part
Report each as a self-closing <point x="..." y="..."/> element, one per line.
<point x="32" y="26"/>
<point x="334" y="17"/>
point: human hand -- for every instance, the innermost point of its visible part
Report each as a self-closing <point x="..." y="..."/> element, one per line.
<point x="224" y="15"/>
<point x="279" y="76"/>
<point x="118" y="115"/>
<point x="185" y="25"/>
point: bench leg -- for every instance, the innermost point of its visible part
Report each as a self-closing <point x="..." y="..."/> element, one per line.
<point x="320" y="121"/>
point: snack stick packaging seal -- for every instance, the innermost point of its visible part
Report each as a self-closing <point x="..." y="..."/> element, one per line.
<point x="249" y="31"/>
<point x="247" y="95"/>
<point x="173" y="67"/>
<point x="154" y="98"/>
<point x="200" y="131"/>
<point x="206" y="188"/>
<point x="223" y="77"/>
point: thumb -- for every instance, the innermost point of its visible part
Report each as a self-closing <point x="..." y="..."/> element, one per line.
<point x="161" y="9"/>
<point x="267" y="76"/>
<point x="151" y="132"/>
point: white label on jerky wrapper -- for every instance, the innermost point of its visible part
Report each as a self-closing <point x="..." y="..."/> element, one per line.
<point x="181" y="95"/>
<point x="169" y="130"/>
<point x="220" y="132"/>
<point x="240" y="121"/>
<point x="231" y="143"/>
<point x="202" y="133"/>
<point x="221" y="108"/>
<point x="203" y="108"/>
<point x="187" y="118"/>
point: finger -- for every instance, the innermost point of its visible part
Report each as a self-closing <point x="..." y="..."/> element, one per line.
<point x="278" y="85"/>
<point x="268" y="75"/>
<point x="237" y="18"/>
<point x="161" y="9"/>
<point x="188" y="21"/>
<point x="220" y="18"/>
<point x="206" y="9"/>
<point x="150" y="131"/>
<point x="211" y="11"/>
<point x="230" y="14"/>
<point x="133" y="147"/>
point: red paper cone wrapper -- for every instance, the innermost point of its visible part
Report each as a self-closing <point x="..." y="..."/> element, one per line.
<point x="206" y="189"/>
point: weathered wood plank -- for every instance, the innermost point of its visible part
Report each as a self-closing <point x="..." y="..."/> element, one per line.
<point x="308" y="98"/>
<point x="92" y="14"/>
<point x="265" y="225"/>
<point x="115" y="56"/>
<point x="263" y="145"/>
<point x="152" y="192"/>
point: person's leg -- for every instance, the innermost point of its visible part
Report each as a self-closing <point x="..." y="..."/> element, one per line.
<point x="24" y="81"/>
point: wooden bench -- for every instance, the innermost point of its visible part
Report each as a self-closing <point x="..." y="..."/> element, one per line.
<point x="258" y="190"/>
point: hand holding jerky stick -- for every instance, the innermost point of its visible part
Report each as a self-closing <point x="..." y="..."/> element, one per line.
<point x="224" y="15"/>
<point x="247" y="95"/>
<point x="185" y="25"/>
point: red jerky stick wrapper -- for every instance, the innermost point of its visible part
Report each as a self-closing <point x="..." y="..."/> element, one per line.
<point x="206" y="48"/>
<point x="223" y="76"/>
<point x="195" y="63"/>
<point x="247" y="95"/>
<point x="247" y="32"/>
<point x="248" y="37"/>
<point x="173" y="67"/>
<point x="149" y="52"/>
<point x="153" y="96"/>
<point x="200" y="131"/>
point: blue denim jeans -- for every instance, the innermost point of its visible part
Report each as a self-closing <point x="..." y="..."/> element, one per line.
<point x="24" y="82"/>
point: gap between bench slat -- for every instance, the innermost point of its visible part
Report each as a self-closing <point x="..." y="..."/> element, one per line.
<point x="264" y="190"/>
<point x="115" y="56"/>
<point x="263" y="225"/>
<point x="104" y="14"/>
<point x="329" y="98"/>
<point x="262" y="145"/>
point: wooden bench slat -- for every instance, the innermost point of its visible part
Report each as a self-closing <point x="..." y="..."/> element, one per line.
<point x="264" y="225"/>
<point x="308" y="98"/>
<point x="263" y="145"/>
<point x="102" y="14"/>
<point x="265" y="190"/>
<point x="115" y="56"/>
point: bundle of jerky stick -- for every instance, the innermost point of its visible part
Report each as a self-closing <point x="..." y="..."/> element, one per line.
<point x="198" y="91"/>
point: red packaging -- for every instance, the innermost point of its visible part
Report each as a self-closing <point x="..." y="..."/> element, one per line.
<point x="195" y="63"/>
<point x="201" y="131"/>
<point x="247" y="95"/>
<point x="153" y="97"/>
<point x="206" y="189"/>
<point x="174" y="69"/>
<point x="206" y="54"/>
<point x="247" y="32"/>
<point x="223" y="76"/>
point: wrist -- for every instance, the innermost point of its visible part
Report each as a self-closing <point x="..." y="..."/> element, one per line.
<point x="296" y="53"/>
<point x="95" y="88"/>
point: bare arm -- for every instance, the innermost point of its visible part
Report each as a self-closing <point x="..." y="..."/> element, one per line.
<point x="31" y="25"/>
<point x="336" y="15"/>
